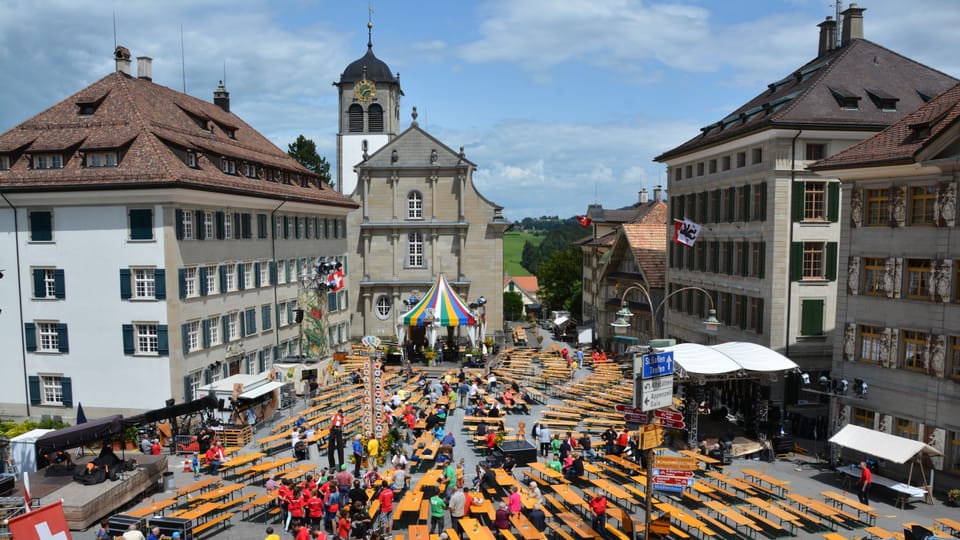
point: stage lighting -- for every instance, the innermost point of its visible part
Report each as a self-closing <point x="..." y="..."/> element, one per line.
<point x="840" y="386"/>
<point x="859" y="387"/>
<point x="805" y="378"/>
<point x="825" y="382"/>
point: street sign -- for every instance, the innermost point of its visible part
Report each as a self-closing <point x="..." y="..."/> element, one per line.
<point x="673" y="472"/>
<point x="651" y="438"/>
<point x="668" y="487"/>
<point x="627" y="409"/>
<point x="657" y="399"/>
<point x="635" y="418"/>
<point x="671" y="424"/>
<point x="674" y="462"/>
<point x="672" y="480"/>
<point x="657" y="365"/>
<point x="668" y="415"/>
<point x="656" y="383"/>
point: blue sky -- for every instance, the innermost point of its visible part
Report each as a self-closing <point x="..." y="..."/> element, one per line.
<point x="560" y="103"/>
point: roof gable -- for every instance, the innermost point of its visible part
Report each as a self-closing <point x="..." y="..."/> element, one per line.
<point x="416" y="148"/>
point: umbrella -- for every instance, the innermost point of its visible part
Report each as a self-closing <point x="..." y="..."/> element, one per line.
<point x="81" y="417"/>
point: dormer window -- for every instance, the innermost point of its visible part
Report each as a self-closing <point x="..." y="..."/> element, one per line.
<point x="847" y="100"/>
<point x="47" y="161"/>
<point x="885" y="102"/>
<point x="101" y="159"/>
<point x="228" y="166"/>
<point x="249" y="170"/>
<point x="4" y="163"/>
<point x="191" y="159"/>
<point x="88" y="105"/>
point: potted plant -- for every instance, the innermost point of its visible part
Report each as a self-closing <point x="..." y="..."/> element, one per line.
<point x="953" y="497"/>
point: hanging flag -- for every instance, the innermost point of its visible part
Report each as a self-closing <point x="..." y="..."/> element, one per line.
<point x="685" y="232"/>
<point x="584" y="221"/>
<point x="316" y="313"/>
<point x="26" y="491"/>
<point x="335" y="281"/>
<point x="45" y="523"/>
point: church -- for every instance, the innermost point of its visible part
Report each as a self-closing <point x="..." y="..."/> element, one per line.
<point x="420" y="213"/>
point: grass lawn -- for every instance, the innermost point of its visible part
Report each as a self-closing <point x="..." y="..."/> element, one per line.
<point x="513" y="251"/>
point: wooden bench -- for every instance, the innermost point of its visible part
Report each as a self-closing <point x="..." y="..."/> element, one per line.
<point x="615" y="532"/>
<point x="506" y="534"/>
<point x="554" y="503"/>
<point x="559" y="532"/>
<point x="533" y="477"/>
<point x="233" y="502"/>
<point x="678" y="533"/>
<point x="809" y="518"/>
<point x="218" y="521"/>
<point x="424" y="514"/>
<point x="762" y="520"/>
<point x="452" y="534"/>
<point x="715" y="523"/>
<point x="834" y="536"/>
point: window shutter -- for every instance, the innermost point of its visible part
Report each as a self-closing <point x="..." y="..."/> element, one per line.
<point x="728" y="307"/>
<point x="33" y="382"/>
<point x="715" y="256"/>
<point x="296" y="227"/>
<point x="128" y="339"/>
<point x="833" y="201"/>
<point x="226" y="370"/>
<point x="63" y="341"/>
<point x="797" y="200"/>
<point x="704" y="204"/>
<point x="125" y="284"/>
<point x="241" y="282"/>
<point x="759" y="328"/>
<point x="745" y="259"/>
<point x="276" y="353"/>
<point x="163" y="340"/>
<point x="682" y="207"/>
<point x="763" y="259"/>
<point x="729" y="261"/>
<point x="178" y="217"/>
<point x="30" y="333"/>
<point x="198" y="229"/>
<point x="251" y="321"/>
<point x="207" y="376"/>
<point x="811" y="317"/>
<point x="273" y="271"/>
<point x="796" y="261"/>
<point x="219" y="219"/>
<point x="261" y="361"/>
<point x="241" y="320"/>
<point x="141" y="224"/>
<point x="744" y="310"/>
<point x="717" y="202"/>
<point x="237" y="230"/>
<point x="39" y="287"/>
<point x="279" y="308"/>
<point x="746" y="203"/>
<point x="203" y="280"/>
<point x="331" y="302"/>
<point x="187" y="387"/>
<point x="223" y="278"/>
<point x="225" y="323"/>
<point x="184" y="329"/>
<point x="59" y="284"/>
<point x="182" y="281"/>
<point x="670" y="249"/>
<point x="256" y="275"/>
<point x="289" y="271"/>
<point x="160" y="284"/>
<point x="41" y="226"/>
<point x="265" y="315"/>
<point x="290" y="311"/>
<point x="732" y="208"/>
<point x="205" y="330"/>
<point x="831" y="269"/>
<point x="763" y="201"/>
<point x="286" y="226"/>
<point x="66" y="391"/>
<point x="245" y="226"/>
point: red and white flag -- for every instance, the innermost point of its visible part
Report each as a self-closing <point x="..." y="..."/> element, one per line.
<point x="335" y="281"/>
<point x="44" y="523"/>
<point x="685" y="232"/>
<point x="584" y="221"/>
<point x="26" y="491"/>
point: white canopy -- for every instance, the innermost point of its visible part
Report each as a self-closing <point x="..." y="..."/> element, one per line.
<point x="255" y="392"/>
<point x="882" y="445"/>
<point x="731" y="357"/>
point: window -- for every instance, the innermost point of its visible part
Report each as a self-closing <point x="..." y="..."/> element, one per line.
<point x="953" y="358"/>
<point x="278" y="227"/>
<point x="869" y="346"/>
<point x="208" y="225"/>
<point x="51" y="390"/>
<point x="246" y="227"/>
<point x="700" y="169"/>
<point x="146" y="338"/>
<point x="757" y="256"/>
<point x="229" y="277"/>
<point x="813" y="262"/>
<point x="873" y="271"/>
<point x="228" y="166"/>
<point x="309" y="232"/>
<point x="4" y="163"/>
<point x="193" y="384"/>
<point x="885" y="102"/>
<point x="814" y="201"/>
<point x="816" y="151"/>
<point x="190" y="284"/>
<point x="922" y="200"/>
<point x="355" y="119"/>
<point x="712" y="166"/>
<point x="876" y="207"/>
<point x="264" y="274"/>
<point x="759" y="204"/>
<point x="415" y="250"/>
<point x="144" y="283"/>
<point x="952" y="451"/>
<point x="914" y="352"/>
<point x="741" y="159"/>
<point x="688" y="171"/>
<point x="247" y="275"/>
<point x="227" y="226"/>
<point x="48" y="283"/>
<point x="383" y="307"/>
<point x="192" y="336"/>
<point x="262" y="228"/>
<point x="141" y="224"/>
<point x="101" y="159"/>
<point x="192" y="159"/>
<point x="756" y="315"/>
<point x="213" y="331"/>
<point x="415" y="205"/>
<point x="250" y="322"/>
<point x="282" y="319"/>
<point x="908" y="429"/>
<point x="48" y="338"/>
<point x="375" y="118"/>
<point x="677" y="174"/>
<point x="301" y="227"/>
<point x="249" y="170"/>
<point x="48" y="161"/>
<point x="863" y="418"/>
<point x="725" y="163"/>
<point x="41" y="226"/>
<point x="918" y="279"/>
<point x="233" y="326"/>
<point x="811" y="317"/>
<point x="265" y="317"/>
<point x="847" y="100"/>
<point x="756" y="156"/>
<point x="211" y="280"/>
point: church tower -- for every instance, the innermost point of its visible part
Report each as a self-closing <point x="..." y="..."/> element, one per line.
<point x="369" y="113"/>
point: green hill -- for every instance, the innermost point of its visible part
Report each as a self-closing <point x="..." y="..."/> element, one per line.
<point x="513" y="250"/>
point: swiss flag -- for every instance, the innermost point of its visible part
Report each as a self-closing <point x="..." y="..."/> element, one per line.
<point x="335" y="281"/>
<point x="316" y="313"/>
<point x="45" y="523"/>
<point x="584" y="221"/>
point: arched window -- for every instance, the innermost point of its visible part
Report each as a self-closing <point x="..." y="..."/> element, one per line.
<point x="415" y="205"/>
<point x="375" y="118"/>
<point x="384" y="304"/>
<point x="355" y="117"/>
<point x="415" y="250"/>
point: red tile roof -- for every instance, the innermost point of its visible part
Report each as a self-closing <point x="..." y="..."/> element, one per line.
<point x="153" y="127"/>
<point x="904" y="140"/>
<point x="648" y="240"/>
<point x="527" y="283"/>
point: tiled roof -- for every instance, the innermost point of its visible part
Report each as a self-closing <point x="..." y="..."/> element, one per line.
<point x="808" y="97"/>
<point x="902" y="141"/>
<point x="152" y="126"/>
<point x="628" y="214"/>
<point x="527" y="283"/>
<point x="648" y="240"/>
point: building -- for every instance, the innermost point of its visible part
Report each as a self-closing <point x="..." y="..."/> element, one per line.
<point x="420" y="213"/>
<point x="156" y="243"/>
<point x="526" y="287"/>
<point x="768" y="246"/>
<point x="898" y="300"/>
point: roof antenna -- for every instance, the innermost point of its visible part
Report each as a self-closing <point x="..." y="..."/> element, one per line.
<point x="114" y="30"/>
<point x="183" y="63"/>
<point x="224" y="72"/>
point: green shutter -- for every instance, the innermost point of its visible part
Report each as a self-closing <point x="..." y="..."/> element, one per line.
<point x="205" y="331"/>
<point x="160" y="284"/>
<point x="219" y="220"/>
<point x="833" y="201"/>
<point x="63" y="341"/>
<point x="728" y="307"/>
<point x="717" y="205"/>
<point x="747" y="201"/>
<point x="241" y="319"/>
<point x="66" y="391"/>
<point x="745" y="259"/>
<point x="744" y="310"/>
<point x="182" y="282"/>
<point x="223" y="278"/>
<point x="831" y="269"/>
<point x="256" y="275"/>
<point x="184" y="330"/>
<point x="273" y="272"/>
<point x="163" y="340"/>
<point x="729" y="257"/>
<point x="39" y="287"/>
<point x="225" y="328"/>
<point x="682" y="206"/>
<point x="141" y="224"/>
<point x="763" y="201"/>
<point x="59" y="284"/>
<point x="187" y="387"/>
<point x="30" y="334"/>
<point x="732" y="206"/>
<point x="128" y="339"/>
<point x="251" y="321"/>
<point x="797" y="200"/>
<point x="198" y="229"/>
<point x="763" y="259"/>
<point x="246" y="226"/>
<point x="241" y="282"/>
<point x="125" y="285"/>
<point x="796" y="261"/>
<point x="203" y="280"/>
<point x="286" y="227"/>
<point x="41" y="226"/>
<point x="237" y="226"/>
<point x="33" y="382"/>
<point x="261" y="361"/>
<point x="811" y="317"/>
<point x="178" y="218"/>
<point x="265" y="316"/>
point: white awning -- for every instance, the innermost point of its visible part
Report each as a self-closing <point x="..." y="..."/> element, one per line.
<point x="260" y="390"/>
<point x="731" y="357"/>
<point x="560" y="321"/>
<point x="882" y="445"/>
<point x="753" y="357"/>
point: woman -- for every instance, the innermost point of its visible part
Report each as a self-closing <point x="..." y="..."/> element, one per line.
<point x="535" y="493"/>
<point x="295" y="509"/>
<point x="514" y="502"/>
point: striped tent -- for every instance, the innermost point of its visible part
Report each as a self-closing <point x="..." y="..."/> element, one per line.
<point x="440" y="307"/>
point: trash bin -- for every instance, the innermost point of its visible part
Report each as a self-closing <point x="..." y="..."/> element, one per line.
<point x="168" y="482"/>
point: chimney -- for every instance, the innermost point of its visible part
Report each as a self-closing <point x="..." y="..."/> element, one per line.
<point x="852" y="24"/>
<point x="644" y="199"/>
<point x="221" y="98"/>
<point x="122" y="56"/>
<point x="145" y="68"/>
<point x="658" y="194"/>
<point x="828" y="36"/>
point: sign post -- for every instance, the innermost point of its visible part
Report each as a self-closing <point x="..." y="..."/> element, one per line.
<point x="654" y="391"/>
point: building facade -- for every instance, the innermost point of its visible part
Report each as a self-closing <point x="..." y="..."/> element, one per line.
<point x="898" y="308"/>
<point x="769" y="243"/>
<point x="158" y="243"/>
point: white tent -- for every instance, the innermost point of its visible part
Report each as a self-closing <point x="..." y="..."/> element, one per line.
<point x="23" y="449"/>
<point x="731" y="357"/>
<point x="882" y="445"/>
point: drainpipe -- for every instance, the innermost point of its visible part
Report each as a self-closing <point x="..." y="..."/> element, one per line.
<point x="793" y="177"/>
<point x="273" y="255"/>
<point x="23" y="343"/>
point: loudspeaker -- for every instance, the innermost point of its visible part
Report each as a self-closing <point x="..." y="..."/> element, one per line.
<point x="120" y="523"/>
<point x="522" y="451"/>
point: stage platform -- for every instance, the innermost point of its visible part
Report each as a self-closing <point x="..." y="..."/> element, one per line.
<point x="85" y="505"/>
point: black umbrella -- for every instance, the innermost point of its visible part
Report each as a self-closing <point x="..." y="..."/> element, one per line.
<point x="81" y="416"/>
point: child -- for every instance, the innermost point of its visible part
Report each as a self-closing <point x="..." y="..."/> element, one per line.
<point x="195" y="467"/>
<point x="343" y="525"/>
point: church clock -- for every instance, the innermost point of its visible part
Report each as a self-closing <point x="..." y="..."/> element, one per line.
<point x="364" y="90"/>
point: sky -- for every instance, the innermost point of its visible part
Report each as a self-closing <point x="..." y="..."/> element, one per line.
<point x="560" y="103"/>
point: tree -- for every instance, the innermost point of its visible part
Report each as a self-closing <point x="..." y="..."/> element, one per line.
<point x="530" y="257"/>
<point x="304" y="150"/>
<point x="559" y="278"/>
<point x="512" y="306"/>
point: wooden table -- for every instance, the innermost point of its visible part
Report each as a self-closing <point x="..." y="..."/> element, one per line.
<point x="616" y="492"/>
<point x="418" y="532"/>
<point x="240" y="461"/>
<point x="730" y="515"/>
<point x="780" y="485"/>
<point x="951" y="525"/>
<point x="154" y="508"/>
<point x="262" y="468"/>
<point x="545" y="471"/>
<point x="199" y="485"/>
<point x="219" y="493"/>
<point x="577" y="526"/>
<point x="840" y="500"/>
<point x="484" y="508"/>
<point x="732" y="482"/>
<point x="570" y="496"/>
<point x="474" y="530"/>
<point x="199" y="513"/>
<point x="832" y="515"/>
<point x="410" y="503"/>
<point x="776" y="511"/>
<point x="686" y="519"/>
<point x="706" y="460"/>
<point x="525" y="528"/>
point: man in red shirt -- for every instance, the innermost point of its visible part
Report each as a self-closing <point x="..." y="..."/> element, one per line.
<point x="335" y="443"/>
<point x="866" y="478"/>
<point x="303" y="533"/>
<point x="599" y="506"/>
<point x="214" y="455"/>
<point x="386" y="507"/>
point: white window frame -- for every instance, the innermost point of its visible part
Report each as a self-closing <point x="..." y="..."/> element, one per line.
<point x="227" y="226"/>
<point x="193" y="336"/>
<point x="146" y="339"/>
<point x="51" y="390"/>
<point x="233" y="326"/>
<point x="196" y="378"/>
<point x="209" y="225"/>
<point x="48" y="161"/>
<point x="101" y="159"/>
<point x="49" y="282"/>
<point x="4" y="163"/>
<point x="248" y="275"/>
<point x="278" y="227"/>
<point x="383" y="307"/>
<point x="231" y="274"/>
<point x="415" y="205"/>
<point x="415" y="250"/>
<point x="213" y="331"/>
<point x="212" y="280"/>
<point x="265" y="274"/>
<point x="281" y="272"/>
<point x="191" y="282"/>
<point x="48" y="339"/>
<point x="187" y="225"/>
<point x="282" y="315"/>
<point x="144" y="286"/>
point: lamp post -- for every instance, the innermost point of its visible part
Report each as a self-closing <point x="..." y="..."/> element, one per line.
<point x="711" y="324"/>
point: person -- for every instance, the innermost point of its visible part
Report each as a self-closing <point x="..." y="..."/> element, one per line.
<point x="538" y="518"/>
<point x="866" y="478"/>
<point x="303" y="533"/>
<point x="344" y="480"/>
<point x="154" y="533"/>
<point x="103" y="533"/>
<point x="357" y="493"/>
<point x="448" y="439"/>
<point x="214" y="457"/>
<point x="609" y="437"/>
<point x="360" y="520"/>
<point x="491" y="441"/>
<point x="555" y="463"/>
<point x="155" y="448"/>
<point x="501" y="521"/>
<point x="343" y="524"/>
<point x="599" y="506"/>
<point x="488" y="479"/>
<point x="586" y="446"/>
<point x="337" y="422"/>
<point x="482" y="429"/>
<point x="357" y="455"/>
<point x="319" y="534"/>
<point x="491" y="382"/>
<point x="535" y="493"/>
<point x="271" y="535"/>
<point x="437" y="506"/>
<point x="372" y="478"/>
<point x="509" y="463"/>
<point x="575" y="470"/>
<point x="458" y="508"/>
<point x="386" y="507"/>
<point x="272" y="483"/>
<point x="373" y="449"/>
<point x="623" y="440"/>
<point x="145" y="445"/>
<point x="295" y="512"/>
<point x="205" y="438"/>
<point x="514" y="501"/>
<point x="450" y="477"/>
<point x="565" y="449"/>
<point x="544" y="435"/>
<point x="400" y="477"/>
<point x="330" y="512"/>
<point x="133" y="533"/>
<point x="580" y="357"/>
<point x="315" y="508"/>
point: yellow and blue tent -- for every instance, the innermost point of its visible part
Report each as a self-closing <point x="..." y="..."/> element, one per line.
<point x="441" y="305"/>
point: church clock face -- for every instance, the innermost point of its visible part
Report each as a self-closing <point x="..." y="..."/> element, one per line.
<point x="364" y="90"/>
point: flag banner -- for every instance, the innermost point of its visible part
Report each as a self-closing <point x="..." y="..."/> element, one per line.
<point x="45" y="523"/>
<point x="685" y="232"/>
<point x="584" y="221"/>
<point x="335" y="280"/>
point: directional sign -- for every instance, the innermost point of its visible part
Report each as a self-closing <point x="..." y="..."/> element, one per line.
<point x="672" y="480"/>
<point x="673" y="472"/>
<point x="651" y="438"/>
<point x="675" y="462"/>
<point x="657" y="365"/>
<point x="671" y="424"/>
<point x="627" y="409"/>
<point x="656" y="383"/>
<point x="635" y="418"/>
<point x="668" y="487"/>
<point x="657" y="399"/>
<point x="668" y="415"/>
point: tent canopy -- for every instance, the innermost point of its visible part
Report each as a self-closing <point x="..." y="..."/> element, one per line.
<point x="441" y="305"/>
<point x="197" y="405"/>
<point x="882" y="445"/>
<point x="80" y="434"/>
<point x="731" y="357"/>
